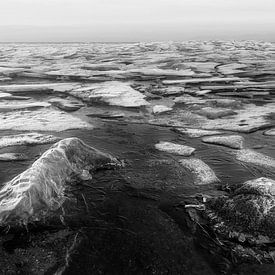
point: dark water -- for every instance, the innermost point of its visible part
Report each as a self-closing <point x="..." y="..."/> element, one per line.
<point x="127" y="222"/>
<point x="131" y="220"/>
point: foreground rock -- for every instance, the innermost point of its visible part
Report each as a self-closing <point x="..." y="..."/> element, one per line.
<point x="244" y="222"/>
<point x="255" y="158"/>
<point x="232" y="141"/>
<point x="26" y="139"/>
<point x="112" y="93"/>
<point x="201" y="172"/>
<point x="45" y="119"/>
<point x="34" y="194"/>
<point x="174" y="148"/>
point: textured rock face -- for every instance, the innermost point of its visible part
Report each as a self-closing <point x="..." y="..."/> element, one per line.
<point x="174" y="148"/>
<point x="26" y="139"/>
<point x="202" y="173"/>
<point x="251" y="207"/>
<point x="244" y="222"/>
<point x="40" y="189"/>
<point x="232" y="141"/>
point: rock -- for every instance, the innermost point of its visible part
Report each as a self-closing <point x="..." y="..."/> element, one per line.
<point x="255" y="158"/>
<point x="4" y="107"/>
<point x="12" y="157"/>
<point x="157" y="109"/>
<point x="194" y="133"/>
<point x="26" y="139"/>
<point x="174" y="148"/>
<point x="201" y="172"/>
<point x="270" y="132"/>
<point x="231" y="141"/>
<point x="244" y="222"/>
<point x="113" y="93"/>
<point x="213" y="113"/>
<point x="65" y="104"/>
<point x="37" y="192"/>
<point x="200" y="80"/>
<point x="41" y="120"/>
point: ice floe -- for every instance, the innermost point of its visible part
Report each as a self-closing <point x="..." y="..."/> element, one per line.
<point x="201" y="172"/>
<point x="231" y="141"/>
<point x="26" y="139"/>
<point x="174" y="148"/>
<point x="41" y="120"/>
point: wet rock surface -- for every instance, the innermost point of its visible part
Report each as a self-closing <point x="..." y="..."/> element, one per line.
<point x="243" y="222"/>
<point x="162" y="212"/>
<point x="30" y="196"/>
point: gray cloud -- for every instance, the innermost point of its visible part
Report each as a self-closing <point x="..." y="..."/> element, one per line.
<point x="135" y="20"/>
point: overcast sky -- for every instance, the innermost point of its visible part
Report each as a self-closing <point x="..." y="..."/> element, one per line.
<point x="135" y="20"/>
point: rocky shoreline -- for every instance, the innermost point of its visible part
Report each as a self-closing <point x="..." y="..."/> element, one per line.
<point x="190" y="127"/>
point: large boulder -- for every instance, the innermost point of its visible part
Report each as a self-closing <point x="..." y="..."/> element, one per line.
<point x="35" y="193"/>
<point x="242" y="224"/>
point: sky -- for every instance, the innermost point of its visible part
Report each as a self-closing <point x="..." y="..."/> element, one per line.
<point x="135" y="20"/>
